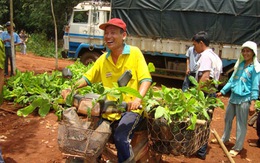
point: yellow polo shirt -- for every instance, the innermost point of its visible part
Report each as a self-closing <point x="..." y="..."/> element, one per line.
<point x="104" y="70"/>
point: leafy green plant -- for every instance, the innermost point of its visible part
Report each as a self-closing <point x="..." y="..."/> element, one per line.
<point x="42" y="91"/>
<point x="39" y="44"/>
<point x="174" y="105"/>
<point x="257" y="105"/>
<point x="117" y="93"/>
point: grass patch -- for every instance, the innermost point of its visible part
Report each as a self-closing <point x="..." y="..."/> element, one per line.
<point x="41" y="46"/>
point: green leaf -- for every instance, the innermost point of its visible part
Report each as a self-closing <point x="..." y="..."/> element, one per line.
<point x="174" y="105"/>
<point x="29" y="109"/>
<point x="193" y="122"/>
<point x="151" y="67"/>
<point x="193" y="81"/>
<point x="44" y="108"/>
<point x="160" y="111"/>
<point x="25" y="111"/>
<point x="128" y="90"/>
<point x="59" y="114"/>
<point x="257" y="105"/>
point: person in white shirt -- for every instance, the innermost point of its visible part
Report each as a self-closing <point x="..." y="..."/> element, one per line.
<point x="209" y="67"/>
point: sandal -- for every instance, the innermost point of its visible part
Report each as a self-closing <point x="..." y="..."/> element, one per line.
<point x="233" y="153"/>
<point x="214" y="141"/>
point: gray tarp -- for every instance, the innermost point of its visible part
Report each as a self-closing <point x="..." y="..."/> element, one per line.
<point x="226" y="21"/>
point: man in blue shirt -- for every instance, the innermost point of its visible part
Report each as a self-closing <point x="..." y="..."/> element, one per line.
<point x="6" y="37"/>
<point x="191" y="63"/>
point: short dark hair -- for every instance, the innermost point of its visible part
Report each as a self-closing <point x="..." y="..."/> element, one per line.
<point x="201" y="36"/>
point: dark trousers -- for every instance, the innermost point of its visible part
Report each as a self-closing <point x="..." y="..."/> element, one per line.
<point x="203" y="150"/>
<point x="8" y="55"/>
<point x="187" y="83"/>
<point x="1" y="157"/>
<point x="258" y="128"/>
<point x="123" y="131"/>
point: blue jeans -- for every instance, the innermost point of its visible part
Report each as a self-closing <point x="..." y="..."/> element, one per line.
<point x="203" y="150"/>
<point x="123" y="133"/>
<point x="240" y="111"/>
<point x="187" y="83"/>
<point x="1" y="157"/>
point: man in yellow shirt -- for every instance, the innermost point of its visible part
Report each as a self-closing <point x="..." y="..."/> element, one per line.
<point x="107" y="69"/>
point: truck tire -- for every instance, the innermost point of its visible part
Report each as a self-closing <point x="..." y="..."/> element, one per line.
<point x="64" y="54"/>
<point x="88" y="57"/>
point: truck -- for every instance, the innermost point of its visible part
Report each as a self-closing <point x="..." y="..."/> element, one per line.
<point x="163" y="29"/>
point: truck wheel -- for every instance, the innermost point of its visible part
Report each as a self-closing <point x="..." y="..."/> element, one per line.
<point x="88" y="57"/>
<point x="64" y="54"/>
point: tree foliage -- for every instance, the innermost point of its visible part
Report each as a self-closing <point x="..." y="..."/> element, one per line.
<point x="35" y="15"/>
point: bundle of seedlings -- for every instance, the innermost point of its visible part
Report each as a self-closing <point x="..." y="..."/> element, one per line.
<point x="179" y="122"/>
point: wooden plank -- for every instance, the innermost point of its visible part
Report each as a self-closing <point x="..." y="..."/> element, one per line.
<point x="222" y="146"/>
<point x="171" y="70"/>
<point x="10" y="111"/>
<point x="167" y="76"/>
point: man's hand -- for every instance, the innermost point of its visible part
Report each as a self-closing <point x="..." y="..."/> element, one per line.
<point x="218" y="94"/>
<point x="7" y="40"/>
<point x="133" y="105"/>
<point x="65" y="93"/>
<point x="187" y="71"/>
<point x="252" y="108"/>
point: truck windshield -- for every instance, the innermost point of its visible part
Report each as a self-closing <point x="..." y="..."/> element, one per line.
<point x="80" y="17"/>
<point x="96" y="17"/>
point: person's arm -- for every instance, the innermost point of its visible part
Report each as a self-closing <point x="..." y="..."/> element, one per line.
<point x="252" y="108"/>
<point x="17" y="40"/>
<point x="204" y="79"/>
<point x="187" y="66"/>
<point x="137" y="101"/>
<point x="254" y="92"/>
<point x="79" y="84"/>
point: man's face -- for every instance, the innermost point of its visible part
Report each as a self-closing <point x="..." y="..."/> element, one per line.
<point x="8" y="28"/>
<point x="113" y="37"/>
<point x="198" y="46"/>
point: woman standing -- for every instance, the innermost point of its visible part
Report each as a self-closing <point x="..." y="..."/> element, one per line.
<point x="243" y="85"/>
<point x="24" y="39"/>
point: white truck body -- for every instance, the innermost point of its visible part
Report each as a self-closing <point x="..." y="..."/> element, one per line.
<point x="84" y="39"/>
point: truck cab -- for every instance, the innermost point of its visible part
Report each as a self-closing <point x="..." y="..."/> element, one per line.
<point x="82" y="37"/>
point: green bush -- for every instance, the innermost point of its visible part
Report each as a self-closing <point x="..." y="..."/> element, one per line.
<point x="40" y="45"/>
